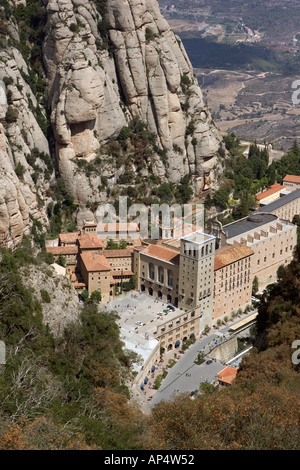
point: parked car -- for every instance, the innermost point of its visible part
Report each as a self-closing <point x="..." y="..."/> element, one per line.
<point x="170" y="307"/>
<point x="139" y="323"/>
<point x="209" y="361"/>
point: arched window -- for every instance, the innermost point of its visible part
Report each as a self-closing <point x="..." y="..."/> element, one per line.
<point x="160" y="275"/>
<point x="151" y="271"/>
<point x="170" y="278"/>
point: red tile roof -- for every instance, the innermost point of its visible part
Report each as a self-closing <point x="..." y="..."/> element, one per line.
<point x="79" y="285"/>
<point x="62" y="250"/>
<point x="230" y="254"/>
<point x="95" y="262"/>
<point x="126" y="253"/>
<point x="164" y="254"/>
<point x="275" y="188"/>
<point x="291" y="179"/>
<point x="89" y="241"/>
<point x="123" y="272"/>
<point x="70" y="237"/>
<point x="118" y="227"/>
<point x="227" y="375"/>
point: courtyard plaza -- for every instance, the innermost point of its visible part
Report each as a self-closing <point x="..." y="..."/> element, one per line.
<point x="140" y="315"/>
<point x="185" y="376"/>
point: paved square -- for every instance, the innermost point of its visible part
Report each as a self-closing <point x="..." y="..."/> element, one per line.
<point x="140" y="307"/>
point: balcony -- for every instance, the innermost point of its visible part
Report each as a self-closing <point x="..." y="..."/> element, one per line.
<point x="148" y="279"/>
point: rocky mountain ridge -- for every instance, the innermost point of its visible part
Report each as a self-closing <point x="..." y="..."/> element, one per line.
<point x="93" y="68"/>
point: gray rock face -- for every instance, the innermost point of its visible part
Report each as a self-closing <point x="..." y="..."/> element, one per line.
<point x="148" y="69"/>
<point x="18" y="194"/>
<point x="64" y="306"/>
<point x="102" y="70"/>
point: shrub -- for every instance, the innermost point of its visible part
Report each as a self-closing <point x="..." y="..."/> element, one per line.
<point x="149" y="35"/>
<point x="45" y="296"/>
<point x="185" y="81"/>
<point x="11" y="114"/>
<point x="96" y="297"/>
<point x="20" y="170"/>
<point x="8" y="80"/>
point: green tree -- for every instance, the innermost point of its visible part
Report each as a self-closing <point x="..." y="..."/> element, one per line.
<point x="45" y="296"/>
<point x="255" y="285"/>
<point x="96" y="297"/>
<point x="220" y="198"/>
<point x="61" y="260"/>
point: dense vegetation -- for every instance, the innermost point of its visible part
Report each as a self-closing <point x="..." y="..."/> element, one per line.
<point x="245" y="176"/>
<point x="60" y="392"/>
<point x="135" y="148"/>
<point x="70" y="393"/>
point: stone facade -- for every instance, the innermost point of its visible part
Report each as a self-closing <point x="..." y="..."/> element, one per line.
<point x="196" y="278"/>
<point x="95" y="271"/>
<point x="69" y="253"/>
<point x="176" y="331"/>
<point x="232" y="279"/>
<point x="182" y="277"/>
<point x="158" y="273"/>
<point x="286" y="207"/>
<point x="121" y="264"/>
<point x="291" y="182"/>
<point x="272" y="240"/>
<point x="270" y="195"/>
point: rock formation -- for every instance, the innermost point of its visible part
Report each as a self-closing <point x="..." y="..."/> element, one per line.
<point x="63" y="307"/>
<point x="97" y="84"/>
<point x="20" y="196"/>
<point x="103" y="64"/>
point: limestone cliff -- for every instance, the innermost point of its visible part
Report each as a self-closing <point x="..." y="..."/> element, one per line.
<point x="62" y="306"/>
<point x="90" y="68"/>
<point x="22" y="188"/>
<point x="104" y="67"/>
